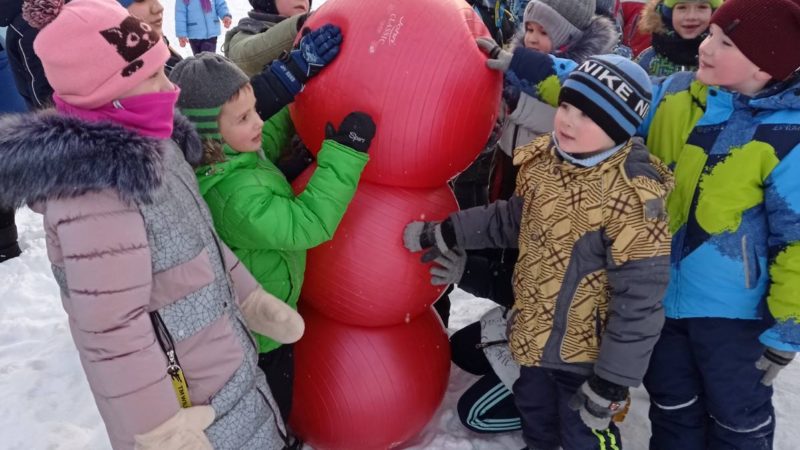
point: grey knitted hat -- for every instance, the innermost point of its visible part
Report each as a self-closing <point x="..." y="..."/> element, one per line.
<point x="207" y="81"/>
<point x="563" y="20"/>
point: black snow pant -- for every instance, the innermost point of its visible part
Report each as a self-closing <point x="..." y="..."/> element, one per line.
<point x="705" y="390"/>
<point x="9" y="248"/>
<point x="548" y="423"/>
<point x="278" y="366"/>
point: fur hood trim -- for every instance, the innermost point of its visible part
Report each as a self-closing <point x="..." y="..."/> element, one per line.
<point x="47" y="155"/>
<point x="599" y="38"/>
<point x="651" y="21"/>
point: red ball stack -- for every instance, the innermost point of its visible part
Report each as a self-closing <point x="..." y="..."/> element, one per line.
<point x="374" y="364"/>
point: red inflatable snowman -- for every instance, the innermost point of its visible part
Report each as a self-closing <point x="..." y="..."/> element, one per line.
<point x="374" y="364"/>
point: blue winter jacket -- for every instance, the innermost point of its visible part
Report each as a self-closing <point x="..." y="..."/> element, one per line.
<point x="735" y="209"/>
<point x="192" y="22"/>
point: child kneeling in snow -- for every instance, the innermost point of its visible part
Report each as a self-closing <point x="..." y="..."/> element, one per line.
<point x="588" y="217"/>
<point x="253" y="206"/>
<point x="157" y="304"/>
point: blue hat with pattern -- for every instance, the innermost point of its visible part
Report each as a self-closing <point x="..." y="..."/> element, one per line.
<point x="613" y="91"/>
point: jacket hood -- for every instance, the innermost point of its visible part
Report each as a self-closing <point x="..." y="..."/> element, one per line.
<point x="651" y="21"/>
<point x="47" y="155"/>
<point x="598" y="38"/>
<point x="209" y="175"/>
<point x="782" y="95"/>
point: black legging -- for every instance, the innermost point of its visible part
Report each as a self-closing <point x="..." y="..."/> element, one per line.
<point x="488" y="405"/>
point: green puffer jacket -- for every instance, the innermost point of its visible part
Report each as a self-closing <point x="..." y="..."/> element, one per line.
<point x="258" y="216"/>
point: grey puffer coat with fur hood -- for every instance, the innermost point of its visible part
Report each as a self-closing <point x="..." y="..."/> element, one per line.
<point x="533" y="117"/>
<point x="128" y="234"/>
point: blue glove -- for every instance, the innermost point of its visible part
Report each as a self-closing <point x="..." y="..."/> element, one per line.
<point x="512" y="87"/>
<point x="317" y="48"/>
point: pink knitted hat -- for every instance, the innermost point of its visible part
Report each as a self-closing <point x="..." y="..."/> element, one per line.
<point x="93" y="51"/>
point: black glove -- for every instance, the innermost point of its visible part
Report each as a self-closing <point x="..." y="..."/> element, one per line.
<point x="317" y="49"/>
<point x="439" y="237"/>
<point x="356" y="131"/>
<point x="598" y="401"/>
<point x="294" y="160"/>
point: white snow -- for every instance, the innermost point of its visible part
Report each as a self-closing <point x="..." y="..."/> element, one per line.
<point x="46" y="402"/>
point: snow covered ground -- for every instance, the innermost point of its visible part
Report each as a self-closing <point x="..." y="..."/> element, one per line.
<point x="46" y="402"/>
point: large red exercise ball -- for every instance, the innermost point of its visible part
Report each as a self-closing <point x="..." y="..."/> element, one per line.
<point x="364" y="275"/>
<point x="413" y="65"/>
<point x="359" y="388"/>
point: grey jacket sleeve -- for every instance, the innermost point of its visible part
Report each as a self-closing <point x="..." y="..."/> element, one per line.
<point x="534" y="115"/>
<point x="492" y="226"/>
<point x="635" y="318"/>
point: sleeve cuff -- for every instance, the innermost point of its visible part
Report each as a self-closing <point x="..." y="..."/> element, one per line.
<point x="783" y="336"/>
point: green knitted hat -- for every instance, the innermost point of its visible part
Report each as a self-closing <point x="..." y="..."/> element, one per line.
<point x="207" y="81"/>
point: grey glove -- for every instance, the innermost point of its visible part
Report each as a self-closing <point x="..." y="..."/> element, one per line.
<point x="439" y="237"/>
<point x="449" y="267"/>
<point x="499" y="59"/>
<point x="598" y="401"/>
<point x="771" y="362"/>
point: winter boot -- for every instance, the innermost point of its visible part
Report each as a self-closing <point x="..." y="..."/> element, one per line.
<point x="8" y="243"/>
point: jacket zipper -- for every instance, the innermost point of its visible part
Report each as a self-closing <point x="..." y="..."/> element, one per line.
<point x="174" y="369"/>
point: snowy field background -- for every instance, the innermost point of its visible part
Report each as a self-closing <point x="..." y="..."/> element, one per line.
<point x="45" y="402"/>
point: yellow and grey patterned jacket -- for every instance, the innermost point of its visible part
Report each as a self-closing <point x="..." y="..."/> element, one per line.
<point x="594" y="259"/>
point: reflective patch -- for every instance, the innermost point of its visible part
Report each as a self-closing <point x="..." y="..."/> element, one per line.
<point x="744" y="430"/>
<point x="674" y="407"/>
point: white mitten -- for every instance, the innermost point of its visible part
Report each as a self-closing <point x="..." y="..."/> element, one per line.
<point x="269" y="316"/>
<point x="183" y="431"/>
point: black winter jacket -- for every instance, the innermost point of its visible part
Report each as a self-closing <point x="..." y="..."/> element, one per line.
<point x="25" y="65"/>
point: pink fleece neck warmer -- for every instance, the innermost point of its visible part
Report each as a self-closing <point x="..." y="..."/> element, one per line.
<point x="149" y="115"/>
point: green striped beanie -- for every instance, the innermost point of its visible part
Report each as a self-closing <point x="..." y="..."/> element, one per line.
<point x="207" y="81"/>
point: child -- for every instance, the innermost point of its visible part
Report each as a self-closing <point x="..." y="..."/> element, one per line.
<point x="730" y="132"/>
<point x="152" y="13"/>
<point x="497" y="17"/>
<point x="253" y="206"/>
<point x="567" y="28"/>
<point x="588" y="218"/>
<point x="632" y="36"/>
<point x="157" y="305"/>
<point x="197" y="23"/>
<point x="10" y="102"/>
<point x="529" y="117"/>
<point x="268" y="30"/>
<point x="677" y="28"/>
<point x="29" y="77"/>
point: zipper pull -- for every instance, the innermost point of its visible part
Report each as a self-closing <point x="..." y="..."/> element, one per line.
<point x="483" y="345"/>
<point x="178" y="380"/>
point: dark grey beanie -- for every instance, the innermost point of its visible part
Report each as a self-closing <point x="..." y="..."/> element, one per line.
<point x="563" y="20"/>
<point x="207" y="81"/>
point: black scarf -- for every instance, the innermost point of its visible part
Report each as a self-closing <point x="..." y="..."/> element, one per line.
<point x="679" y="51"/>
